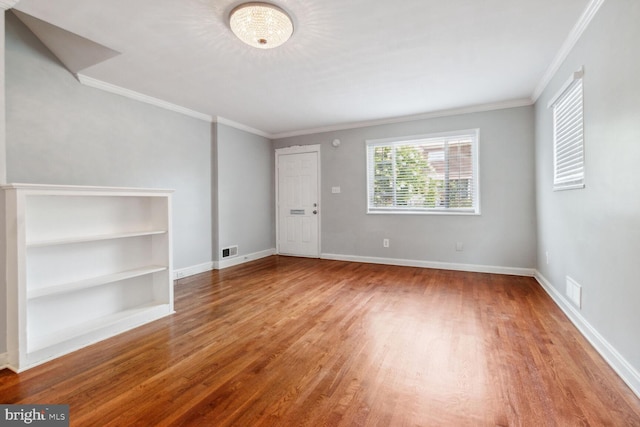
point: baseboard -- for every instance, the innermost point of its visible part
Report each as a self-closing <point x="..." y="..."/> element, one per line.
<point x="617" y="362"/>
<point x="194" y="269"/>
<point x="181" y="273"/>
<point x="514" y="271"/>
<point x="241" y="259"/>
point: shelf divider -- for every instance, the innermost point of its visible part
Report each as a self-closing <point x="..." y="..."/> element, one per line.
<point x="93" y="282"/>
<point x="96" y="238"/>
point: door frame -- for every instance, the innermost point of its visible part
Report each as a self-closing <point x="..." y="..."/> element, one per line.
<point x="297" y="149"/>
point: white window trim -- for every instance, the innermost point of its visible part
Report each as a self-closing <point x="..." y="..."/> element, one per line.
<point x="561" y="186"/>
<point x="429" y="211"/>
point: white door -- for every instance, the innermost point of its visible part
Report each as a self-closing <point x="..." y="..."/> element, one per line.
<point x="298" y="203"/>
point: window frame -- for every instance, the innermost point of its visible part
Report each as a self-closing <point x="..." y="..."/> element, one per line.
<point x="573" y="183"/>
<point x="474" y="134"/>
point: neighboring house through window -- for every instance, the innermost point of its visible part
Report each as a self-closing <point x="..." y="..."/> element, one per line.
<point x="429" y="174"/>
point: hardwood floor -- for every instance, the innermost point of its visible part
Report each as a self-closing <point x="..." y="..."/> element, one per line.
<point x="289" y="341"/>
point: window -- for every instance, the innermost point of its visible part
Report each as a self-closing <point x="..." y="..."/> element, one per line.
<point x="568" y="136"/>
<point x="426" y="174"/>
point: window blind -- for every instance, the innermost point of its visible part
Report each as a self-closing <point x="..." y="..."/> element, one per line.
<point x="568" y="132"/>
<point x="429" y="174"/>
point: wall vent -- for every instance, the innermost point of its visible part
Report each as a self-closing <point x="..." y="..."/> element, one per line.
<point x="574" y="292"/>
<point x="229" y="252"/>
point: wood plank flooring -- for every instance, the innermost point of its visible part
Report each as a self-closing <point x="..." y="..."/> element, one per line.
<point x="288" y="341"/>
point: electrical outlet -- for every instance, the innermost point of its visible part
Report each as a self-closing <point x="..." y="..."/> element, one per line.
<point x="385" y="243"/>
<point x="459" y="247"/>
<point x="179" y="274"/>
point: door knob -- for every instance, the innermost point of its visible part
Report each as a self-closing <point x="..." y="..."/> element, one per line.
<point x="315" y="212"/>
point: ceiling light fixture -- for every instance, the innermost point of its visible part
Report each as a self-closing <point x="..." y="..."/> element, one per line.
<point x="261" y="25"/>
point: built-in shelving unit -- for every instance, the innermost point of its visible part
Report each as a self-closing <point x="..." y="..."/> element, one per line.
<point x="83" y="264"/>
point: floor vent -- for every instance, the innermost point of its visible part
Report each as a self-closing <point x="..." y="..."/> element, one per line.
<point x="229" y="252"/>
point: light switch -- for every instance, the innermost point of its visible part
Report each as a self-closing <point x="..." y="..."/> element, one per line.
<point x="335" y="190"/>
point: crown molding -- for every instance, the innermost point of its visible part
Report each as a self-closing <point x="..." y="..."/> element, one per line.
<point x="8" y="4"/>
<point x="240" y="126"/>
<point x="108" y="87"/>
<point x="434" y="114"/>
<point x="118" y="90"/>
<point x="575" y="34"/>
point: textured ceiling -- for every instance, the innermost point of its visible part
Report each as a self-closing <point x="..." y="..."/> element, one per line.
<point x="348" y="61"/>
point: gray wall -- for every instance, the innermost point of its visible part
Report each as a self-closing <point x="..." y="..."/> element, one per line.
<point x="245" y="191"/>
<point x="60" y="132"/>
<point x="503" y="235"/>
<point x="593" y="234"/>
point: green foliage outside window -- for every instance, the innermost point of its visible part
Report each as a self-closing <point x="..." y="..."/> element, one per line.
<point x="415" y="176"/>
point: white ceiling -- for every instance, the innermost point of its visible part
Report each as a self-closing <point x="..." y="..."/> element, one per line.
<point x="349" y="61"/>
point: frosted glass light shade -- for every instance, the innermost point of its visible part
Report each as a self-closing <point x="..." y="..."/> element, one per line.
<point x="261" y="25"/>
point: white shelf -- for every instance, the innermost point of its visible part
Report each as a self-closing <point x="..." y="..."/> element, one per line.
<point x="82" y="264"/>
<point x="86" y="239"/>
<point x="132" y="317"/>
<point x="92" y="282"/>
